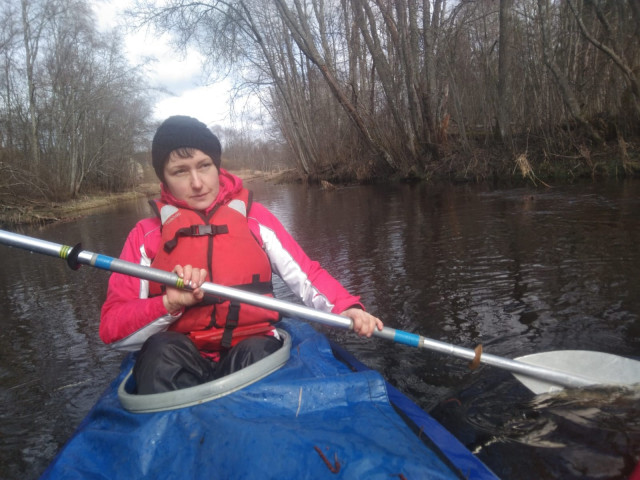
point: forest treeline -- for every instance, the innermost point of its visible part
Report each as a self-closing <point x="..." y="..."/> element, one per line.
<point x="72" y="110"/>
<point x="354" y="89"/>
<point x="362" y="89"/>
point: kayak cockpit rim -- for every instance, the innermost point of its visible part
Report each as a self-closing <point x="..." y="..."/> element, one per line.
<point x="186" y="397"/>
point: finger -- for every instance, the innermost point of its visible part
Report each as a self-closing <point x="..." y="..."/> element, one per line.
<point x="198" y="295"/>
<point x="187" y="270"/>
<point x="202" y="276"/>
<point x="357" y="323"/>
<point x="370" y="326"/>
<point x="198" y="276"/>
<point x="373" y="323"/>
<point x="192" y="276"/>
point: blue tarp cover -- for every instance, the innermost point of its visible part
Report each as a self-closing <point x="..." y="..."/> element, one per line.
<point x="312" y="416"/>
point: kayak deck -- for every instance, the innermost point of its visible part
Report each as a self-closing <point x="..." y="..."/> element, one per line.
<point x="313" y="418"/>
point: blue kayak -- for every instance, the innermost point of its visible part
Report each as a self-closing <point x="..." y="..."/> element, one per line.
<point x="313" y="417"/>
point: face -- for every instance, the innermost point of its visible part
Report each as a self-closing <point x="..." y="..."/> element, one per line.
<point x="193" y="180"/>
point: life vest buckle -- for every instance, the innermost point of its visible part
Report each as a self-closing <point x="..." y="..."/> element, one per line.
<point x="200" y="230"/>
<point x="207" y="230"/>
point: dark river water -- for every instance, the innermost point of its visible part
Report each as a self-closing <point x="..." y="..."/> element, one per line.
<point x="519" y="270"/>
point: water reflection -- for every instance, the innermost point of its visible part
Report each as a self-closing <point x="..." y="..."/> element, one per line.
<point x="520" y="271"/>
<point x="52" y="364"/>
<point x="586" y="433"/>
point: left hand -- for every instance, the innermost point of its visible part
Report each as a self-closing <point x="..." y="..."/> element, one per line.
<point x="364" y="324"/>
<point x="175" y="299"/>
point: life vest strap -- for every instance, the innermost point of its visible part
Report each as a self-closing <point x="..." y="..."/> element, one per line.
<point x="232" y="322"/>
<point x="194" y="231"/>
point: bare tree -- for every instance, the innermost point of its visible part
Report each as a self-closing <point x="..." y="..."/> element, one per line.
<point x="505" y="65"/>
<point x="68" y="96"/>
<point x="301" y="33"/>
<point x="371" y="87"/>
<point x="8" y="46"/>
<point x="568" y="94"/>
<point x="613" y="49"/>
<point x="35" y="16"/>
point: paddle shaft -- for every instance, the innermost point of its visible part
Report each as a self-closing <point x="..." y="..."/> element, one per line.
<point x="75" y="256"/>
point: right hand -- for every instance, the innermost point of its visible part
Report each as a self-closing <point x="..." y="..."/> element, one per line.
<point x="175" y="299"/>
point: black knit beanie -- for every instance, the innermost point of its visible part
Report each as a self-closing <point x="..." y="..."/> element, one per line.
<point x="180" y="131"/>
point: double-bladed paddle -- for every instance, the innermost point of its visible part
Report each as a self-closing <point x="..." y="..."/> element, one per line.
<point x="540" y="372"/>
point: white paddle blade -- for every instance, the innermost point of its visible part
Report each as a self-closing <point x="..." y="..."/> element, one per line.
<point x="599" y="368"/>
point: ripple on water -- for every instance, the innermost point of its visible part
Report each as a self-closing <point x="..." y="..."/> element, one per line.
<point x="519" y="271"/>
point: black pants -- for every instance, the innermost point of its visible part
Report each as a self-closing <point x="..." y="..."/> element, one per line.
<point x="170" y="361"/>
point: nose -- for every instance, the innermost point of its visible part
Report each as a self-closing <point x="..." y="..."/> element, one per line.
<point x="196" y="182"/>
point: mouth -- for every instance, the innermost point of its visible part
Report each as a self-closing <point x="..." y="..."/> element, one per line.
<point x="200" y="196"/>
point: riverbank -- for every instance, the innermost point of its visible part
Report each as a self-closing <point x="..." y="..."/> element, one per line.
<point x="524" y="168"/>
<point x="24" y="211"/>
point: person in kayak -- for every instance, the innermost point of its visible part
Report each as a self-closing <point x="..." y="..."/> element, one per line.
<point x="207" y="228"/>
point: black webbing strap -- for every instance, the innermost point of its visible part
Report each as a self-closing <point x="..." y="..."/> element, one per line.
<point x="232" y="322"/>
<point x="256" y="286"/>
<point x="195" y="231"/>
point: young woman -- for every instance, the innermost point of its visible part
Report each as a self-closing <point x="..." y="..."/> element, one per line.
<point x="207" y="228"/>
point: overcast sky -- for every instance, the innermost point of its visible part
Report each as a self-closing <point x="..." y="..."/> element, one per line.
<point x="171" y="71"/>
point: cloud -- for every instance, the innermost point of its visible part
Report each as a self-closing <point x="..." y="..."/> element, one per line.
<point x="208" y="104"/>
<point x="175" y="76"/>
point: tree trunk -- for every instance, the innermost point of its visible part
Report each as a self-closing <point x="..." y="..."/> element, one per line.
<point x="430" y="26"/>
<point x="31" y="40"/>
<point x="504" y="70"/>
<point x="615" y="52"/>
<point x="302" y="36"/>
<point x="567" y="93"/>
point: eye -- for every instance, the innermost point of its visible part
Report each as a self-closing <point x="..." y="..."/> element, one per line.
<point x="178" y="172"/>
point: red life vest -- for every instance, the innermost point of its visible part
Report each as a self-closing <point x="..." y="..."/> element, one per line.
<point x="221" y="243"/>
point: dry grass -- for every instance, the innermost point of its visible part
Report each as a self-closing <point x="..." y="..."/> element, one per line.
<point x="522" y="163"/>
<point x="248" y="175"/>
<point x="24" y="211"/>
<point x="29" y="212"/>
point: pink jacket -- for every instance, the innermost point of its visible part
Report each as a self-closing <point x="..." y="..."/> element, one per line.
<point x="129" y="317"/>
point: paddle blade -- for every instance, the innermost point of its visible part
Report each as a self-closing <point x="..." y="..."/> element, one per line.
<point x="600" y="368"/>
